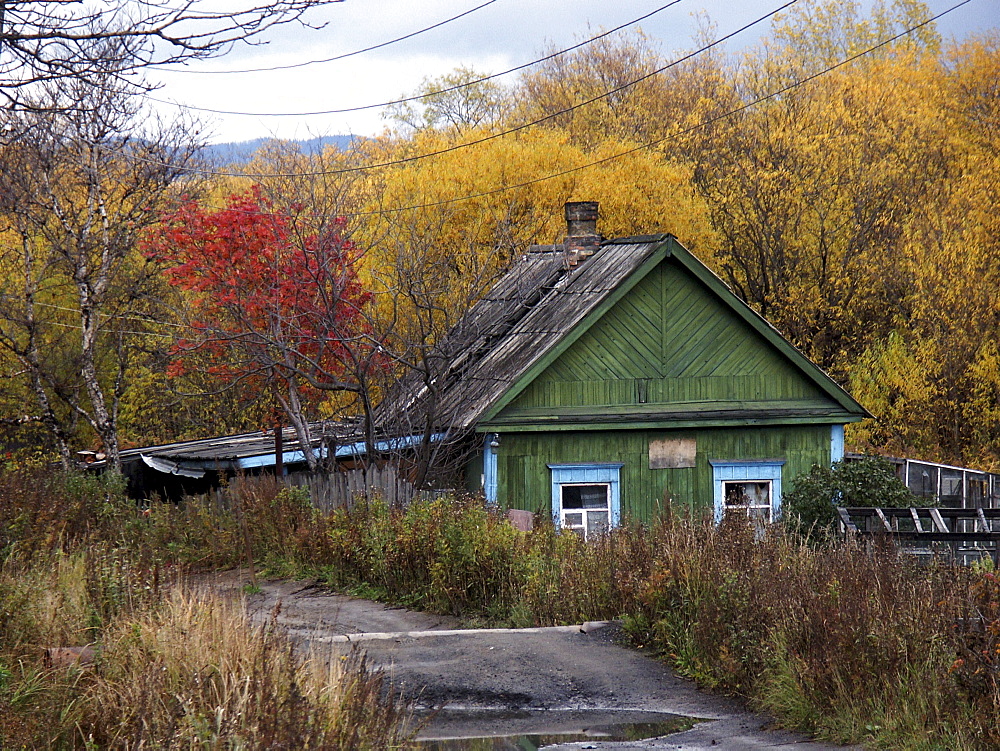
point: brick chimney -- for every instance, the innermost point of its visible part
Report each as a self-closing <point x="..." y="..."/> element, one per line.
<point x="581" y="240"/>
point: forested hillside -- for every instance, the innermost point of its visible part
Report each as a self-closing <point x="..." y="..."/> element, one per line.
<point x="842" y="177"/>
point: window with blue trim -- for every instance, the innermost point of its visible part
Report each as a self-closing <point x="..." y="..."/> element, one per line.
<point x="586" y="498"/>
<point x="748" y="488"/>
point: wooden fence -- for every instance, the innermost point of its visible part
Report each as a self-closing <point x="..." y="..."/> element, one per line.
<point x="330" y="490"/>
<point x="965" y="535"/>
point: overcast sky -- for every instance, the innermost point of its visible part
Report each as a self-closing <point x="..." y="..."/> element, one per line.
<point x="499" y="36"/>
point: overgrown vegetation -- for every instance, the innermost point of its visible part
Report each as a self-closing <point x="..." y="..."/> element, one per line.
<point x="809" y="507"/>
<point x="852" y="644"/>
<point x="81" y="565"/>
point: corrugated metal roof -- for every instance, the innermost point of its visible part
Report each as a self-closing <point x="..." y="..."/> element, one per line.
<point x="227" y="452"/>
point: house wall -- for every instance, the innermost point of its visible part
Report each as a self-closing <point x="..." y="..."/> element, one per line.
<point x="525" y="479"/>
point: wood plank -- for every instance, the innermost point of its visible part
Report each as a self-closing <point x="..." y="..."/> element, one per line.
<point x="938" y="521"/>
<point x="691" y="360"/>
<point x="885" y="522"/>
<point x="845" y="520"/>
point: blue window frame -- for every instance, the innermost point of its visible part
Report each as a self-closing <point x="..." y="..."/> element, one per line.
<point x="586" y="497"/>
<point x="748" y="487"/>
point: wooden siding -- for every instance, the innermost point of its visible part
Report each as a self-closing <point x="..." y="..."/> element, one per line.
<point x="668" y="341"/>
<point x="525" y="479"/>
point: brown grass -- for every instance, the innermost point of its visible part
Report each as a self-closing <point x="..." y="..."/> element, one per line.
<point x="852" y="644"/>
<point x="197" y="673"/>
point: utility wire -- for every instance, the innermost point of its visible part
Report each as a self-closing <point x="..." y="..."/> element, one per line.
<point x="113" y="317"/>
<point x="78" y="327"/>
<point x="477" y="141"/>
<point x="338" y="57"/>
<point x="418" y="97"/>
<point x="658" y="141"/>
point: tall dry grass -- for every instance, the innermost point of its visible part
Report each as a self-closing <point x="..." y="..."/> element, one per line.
<point x="196" y="673"/>
<point x="853" y="644"/>
<point x="80" y="564"/>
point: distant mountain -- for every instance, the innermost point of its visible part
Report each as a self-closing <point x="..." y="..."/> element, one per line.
<point x="238" y="152"/>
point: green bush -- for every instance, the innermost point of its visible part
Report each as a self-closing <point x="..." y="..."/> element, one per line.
<point x="448" y="555"/>
<point x="809" y="507"/>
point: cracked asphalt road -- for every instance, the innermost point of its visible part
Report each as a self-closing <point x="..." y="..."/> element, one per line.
<point x="509" y="679"/>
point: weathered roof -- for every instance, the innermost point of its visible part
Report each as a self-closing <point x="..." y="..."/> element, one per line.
<point x="236" y="452"/>
<point x="527" y="313"/>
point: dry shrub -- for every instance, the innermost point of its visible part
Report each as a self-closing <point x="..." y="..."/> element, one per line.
<point x="198" y="533"/>
<point x="448" y="555"/>
<point x="196" y="673"/>
<point x="572" y="580"/>
<point x="849" y="643"/>
<point x="65" y="599"/>
<point x="44" y="511"/>
<point x="282" y="523"/>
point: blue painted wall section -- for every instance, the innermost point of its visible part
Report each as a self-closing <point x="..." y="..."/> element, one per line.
<point x="491" y="446"/>
<point x="836" y="443"/>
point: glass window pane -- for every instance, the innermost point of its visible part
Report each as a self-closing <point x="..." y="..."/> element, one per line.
<point x="977" y="487"/>
<point x="573" y="520"/>
<point x="735" y="495"/>
<point x="747" y="493"/>
<point x="922" y="479"/>
<point x="759" y="493"/>
<point x="951" y="488"/>
<point x="585" y="496"/>
<point x="595" y="496"/>
<point x="597" y="522"/>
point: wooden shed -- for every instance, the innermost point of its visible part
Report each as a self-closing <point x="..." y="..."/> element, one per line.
<point x="614" y="377"/>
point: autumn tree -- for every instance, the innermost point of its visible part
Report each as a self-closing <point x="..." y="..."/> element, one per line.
<point x="810" y="190"/>
<point x="618" y="73"/>
<point x="933" y="381"/>
<point x="458" y="101"/>
<point x="76" y="190"/>
<point x="273" y="300"/>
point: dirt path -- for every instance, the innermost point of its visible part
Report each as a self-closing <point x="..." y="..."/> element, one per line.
<point x="509" y="679"/>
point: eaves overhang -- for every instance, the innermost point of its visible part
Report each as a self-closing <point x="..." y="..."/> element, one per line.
<point x="644" y="419"/>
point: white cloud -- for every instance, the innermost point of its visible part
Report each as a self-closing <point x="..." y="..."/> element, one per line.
<point x="499" y="36"/>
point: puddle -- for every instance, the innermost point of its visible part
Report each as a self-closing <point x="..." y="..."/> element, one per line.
<point x="488" y="730"/>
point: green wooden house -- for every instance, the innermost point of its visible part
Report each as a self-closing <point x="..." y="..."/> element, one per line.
<point x="615" y="377"/>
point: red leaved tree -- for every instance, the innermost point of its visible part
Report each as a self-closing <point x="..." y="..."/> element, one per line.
<point x="270" y="300"/>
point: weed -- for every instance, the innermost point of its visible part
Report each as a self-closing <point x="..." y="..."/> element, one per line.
<point x="854" y="645"/>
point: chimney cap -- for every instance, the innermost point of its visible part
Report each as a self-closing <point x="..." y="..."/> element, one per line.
<point x="581" y="211"/>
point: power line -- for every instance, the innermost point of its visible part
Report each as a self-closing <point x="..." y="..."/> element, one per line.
<point x="337" y="57"/>
<point x="678" y="134"/>
<point x="78" y="327"/>
<point x="656" y="142"/>
<point x="418" y="97"/>
<point x="484" y="139"/>
<point x="113" y="317"/>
